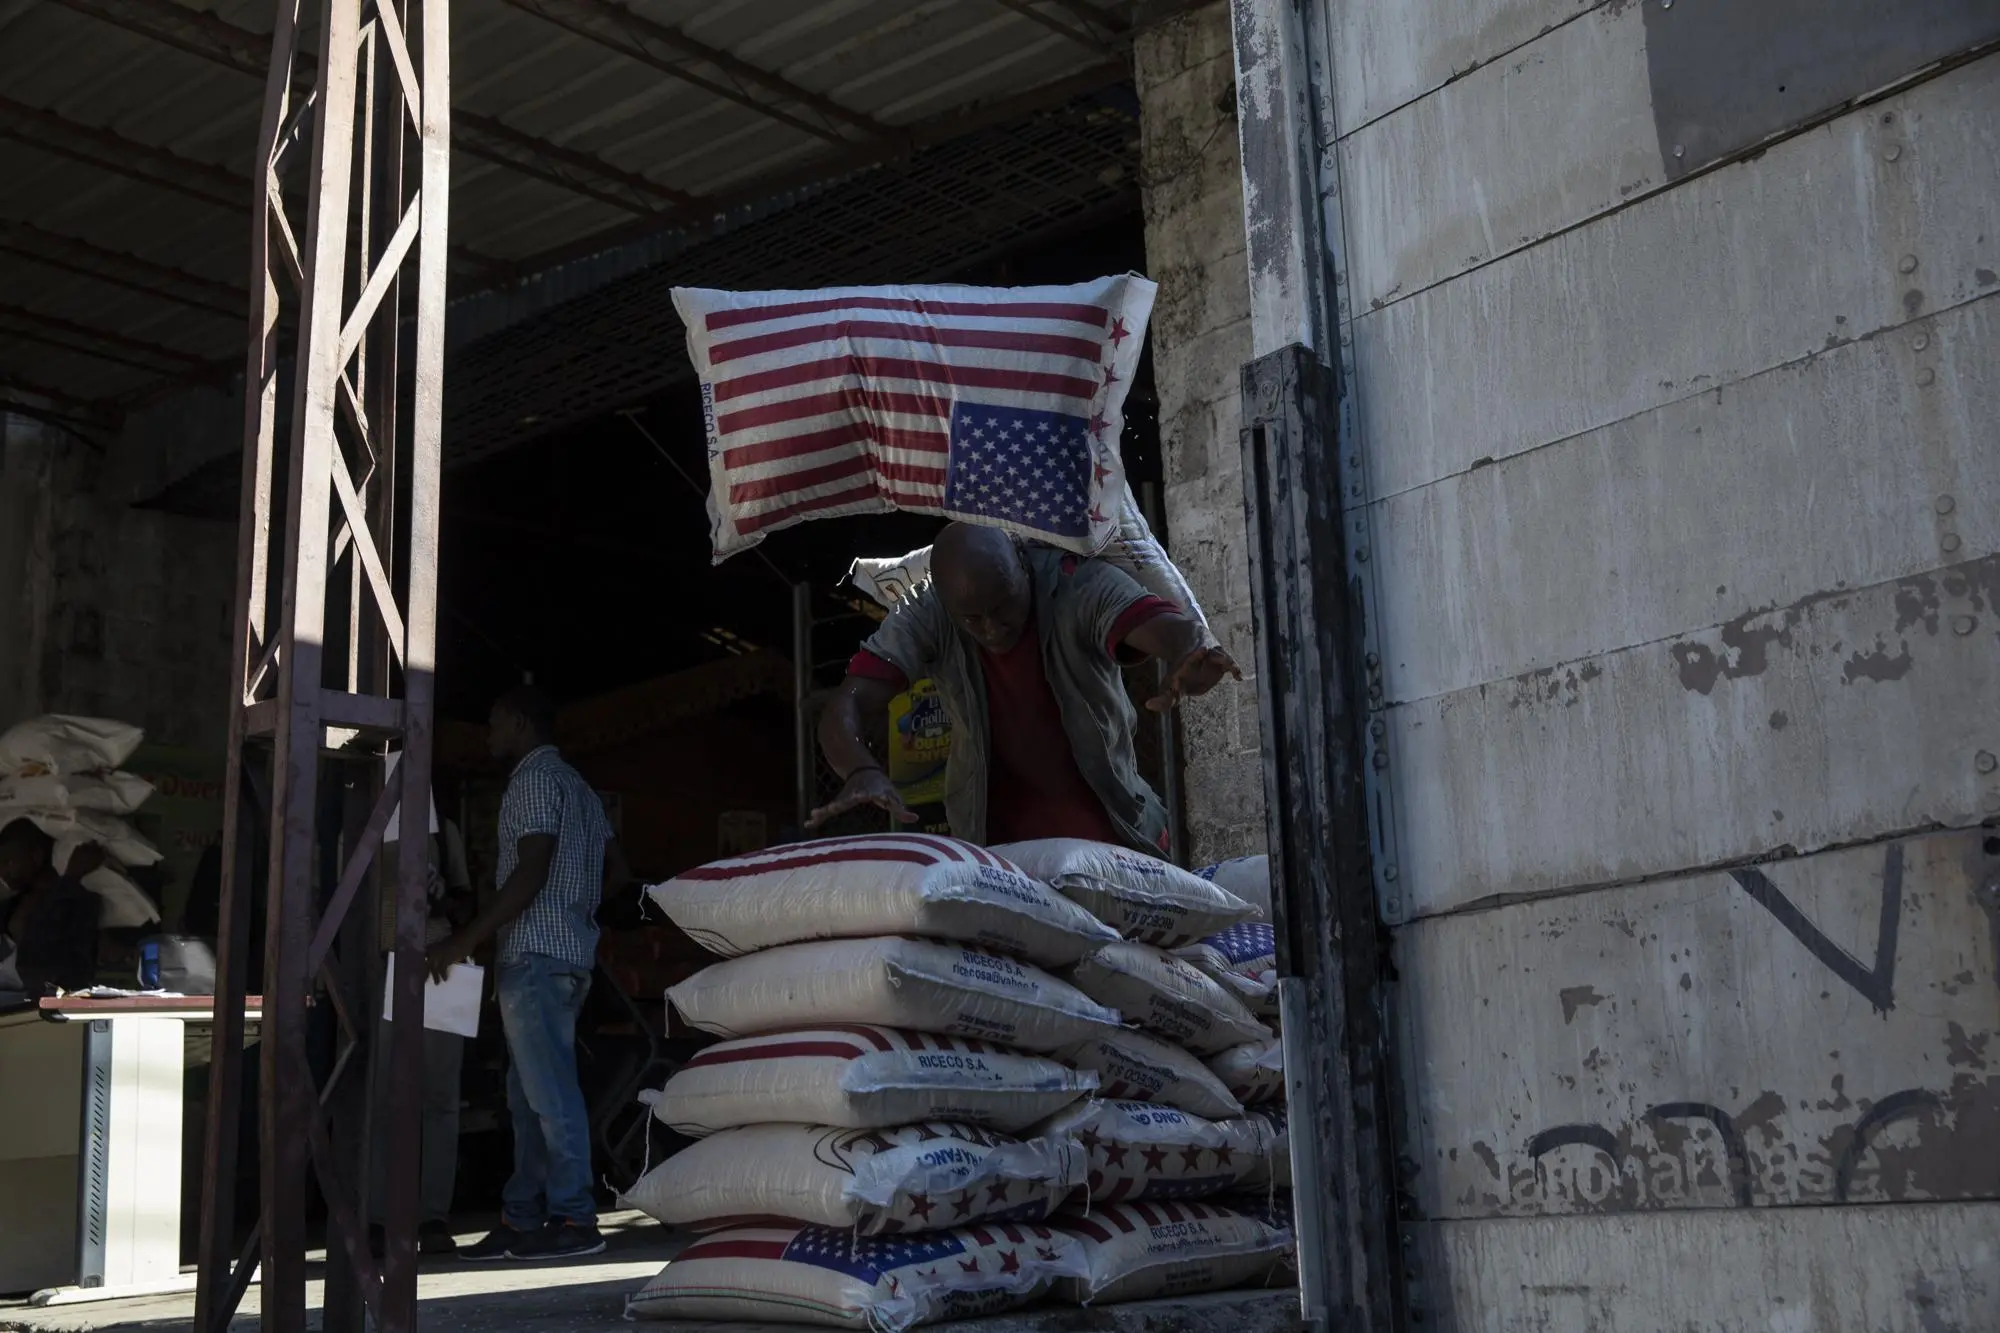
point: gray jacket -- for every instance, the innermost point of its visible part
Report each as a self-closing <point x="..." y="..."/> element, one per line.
<point x="1076" y="604"/>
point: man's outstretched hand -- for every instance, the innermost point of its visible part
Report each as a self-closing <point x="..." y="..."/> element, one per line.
<point x="865" y="786"/>
<point x="446" y="954"/>
<point x="1195" y="674"/>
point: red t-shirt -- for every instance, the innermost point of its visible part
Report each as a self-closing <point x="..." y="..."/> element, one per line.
<point x="1034" y="788"/>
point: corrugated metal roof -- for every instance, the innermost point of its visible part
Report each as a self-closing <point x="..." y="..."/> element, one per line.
<point x="891" y="67"/>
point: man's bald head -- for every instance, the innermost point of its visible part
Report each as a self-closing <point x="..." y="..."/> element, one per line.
<point x="983" y="582"/>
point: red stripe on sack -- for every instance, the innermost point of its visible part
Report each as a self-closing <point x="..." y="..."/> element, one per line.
<point x="1067" y="311"/>
<point x="733" y="1249"/>
<point x="1087" y="1227"/>
<point x="714" y="1224"/>
<point x="1147" y="1215"/>
<point x="1013" y="1234"/>
<point x="981" y="1236"/>
<point x="768" y="488"/>
<point x="785" y="483"/>
<point x="873" y="1036"/>
<point x="1121" y="1217"/>
<point x="777" y="1050"/>
<point x="893" y="840"/>
<point x="853" y="495"/>
<point x="996" y="340"/>
<point x="850" y="399"/>
<point x="1173" y="1212"/>
<point x="829" y="370"/>
<point x="737" y="457"/>
<point x="724" y="871"/>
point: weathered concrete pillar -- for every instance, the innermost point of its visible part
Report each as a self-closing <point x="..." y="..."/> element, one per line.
<point x="1201" y="337"/>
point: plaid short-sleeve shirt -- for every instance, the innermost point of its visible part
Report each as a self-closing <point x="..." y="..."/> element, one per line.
<point x="545" y="795"/>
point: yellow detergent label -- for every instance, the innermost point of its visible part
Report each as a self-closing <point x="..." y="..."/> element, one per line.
<point x="919" y="744"/>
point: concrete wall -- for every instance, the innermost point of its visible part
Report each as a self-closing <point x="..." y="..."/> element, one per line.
<point x="1201" y="338"/>
<point x="106" y="609"/>
<point x="1673" y="385"/>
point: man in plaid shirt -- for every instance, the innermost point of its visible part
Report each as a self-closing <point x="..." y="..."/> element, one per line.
<point x="554" y="845"/>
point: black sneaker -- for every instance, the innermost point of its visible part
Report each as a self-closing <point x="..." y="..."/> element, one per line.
<point x="436" y="1238"/>
<point x="496" y="1244"/>
<point x="559" y="1240"/>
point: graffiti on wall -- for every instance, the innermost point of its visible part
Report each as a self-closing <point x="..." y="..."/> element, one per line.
<point x="1819" y="1031"/>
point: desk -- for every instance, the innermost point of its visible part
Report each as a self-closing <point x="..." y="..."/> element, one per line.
<point x="90" y="1157"/>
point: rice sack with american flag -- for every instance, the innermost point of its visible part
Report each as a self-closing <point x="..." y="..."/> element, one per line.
<point x="831" y="1276"/>
<point x="856" y="1076"/>
<point x="1143" y="1150"/>
<point x="920" y="1177"/>
<point x="1143" y="1251"/>
<point x="996" y="405"/>
<point x="877" y="884"/>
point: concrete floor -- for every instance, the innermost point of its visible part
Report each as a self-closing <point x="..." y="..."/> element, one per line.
<point x="581" y="1294"/>
<point x="452" y="1296"/>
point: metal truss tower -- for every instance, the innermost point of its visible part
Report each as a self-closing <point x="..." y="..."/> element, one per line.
<point x="335" y="654"/>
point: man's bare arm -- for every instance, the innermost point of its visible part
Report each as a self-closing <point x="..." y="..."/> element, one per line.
<point x="1192" y="670"/>
<point x="843" y="739"/>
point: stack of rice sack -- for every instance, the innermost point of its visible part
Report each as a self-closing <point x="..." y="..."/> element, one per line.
<point x="900" y="1125"/>
<point x="1182" y="1179"/>
<point x="62" y="774"/>
<point x="893" y="1029"/>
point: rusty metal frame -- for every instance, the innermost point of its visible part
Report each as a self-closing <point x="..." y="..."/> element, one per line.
<point x="360" y="473"/>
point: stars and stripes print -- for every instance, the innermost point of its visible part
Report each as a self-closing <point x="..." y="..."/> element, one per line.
<point x="996" y="405"/>
<point x="885" y="1282"/>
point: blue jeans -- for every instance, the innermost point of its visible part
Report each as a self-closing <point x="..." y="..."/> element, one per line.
<point x="540" y="998"/>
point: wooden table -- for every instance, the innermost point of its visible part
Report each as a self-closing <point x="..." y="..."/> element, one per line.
<point x="91" y="1099"/>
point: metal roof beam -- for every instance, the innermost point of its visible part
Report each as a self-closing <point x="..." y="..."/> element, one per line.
<point x="223" y="43"/>
<point x="110" y="151"/>
<point x="1093" y="17"/>
<point x="113" y="152"/>
<point x="120" y="268"/>
<point x="617" y="28"/>
<point x="1081" y="36"/>
<point x="100" y="343"/>
<point x="856" y="157"/>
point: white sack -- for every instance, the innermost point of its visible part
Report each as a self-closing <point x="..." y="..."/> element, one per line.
<point x="1142" y="1150"/>
<point x="1167" y="995"/>
<point x="71" y="826"/>
<point x="1243" y="958"/>
<point x="1142" y="1251"/>
<point x="1253" y="1072"/>
<point x="1135" y="1067"/>
<point x="1248" y="877"/>
<point x="899" y="983"/>
<point x="109" y="793"/>
<point x="1275" y="1134"/>
<point x="125" y="904"/>
<point x="881" y="884"/>
<point x="893" y="580"/>
<point x="861" y="1077"/>
<point x="1141" y="897"/>
<point x="805" y="372"/>
<point x="822" y="1275"/>
<point x="1138" y="552"/>
<point x="64" y="745"/>
<point x="870" y="1182"/>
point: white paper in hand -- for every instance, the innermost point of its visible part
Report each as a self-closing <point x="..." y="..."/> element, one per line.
<point x="451" y="1005"/>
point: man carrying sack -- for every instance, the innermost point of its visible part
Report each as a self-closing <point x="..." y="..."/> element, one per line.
<point x="1026" y="645"/>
